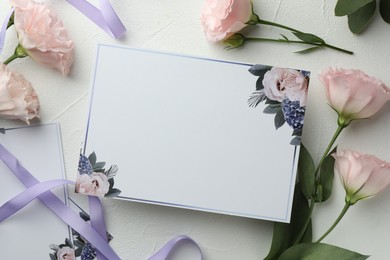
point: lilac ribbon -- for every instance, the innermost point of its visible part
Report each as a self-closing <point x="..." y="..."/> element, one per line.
<point x="96" y="234"/>
<point x="3" y="29"/>
<point x="105" y="17"/>
<point x="168" y="248"/>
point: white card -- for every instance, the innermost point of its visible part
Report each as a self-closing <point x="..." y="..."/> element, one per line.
<point x="178" y="131"/>
<point x="28" y="233"/>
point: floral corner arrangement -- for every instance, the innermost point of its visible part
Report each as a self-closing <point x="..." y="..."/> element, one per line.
<point x="78" y="249"/>
<point x="284" y="91"/>
<point x="94" y="179"/>
<point x="223" y="20"/>
<point x="353" y="95"/>
<point x="41" y="36"/>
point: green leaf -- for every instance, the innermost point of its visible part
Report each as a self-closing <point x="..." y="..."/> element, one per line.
<point x="259" y="70"/>
<point x="284" y="37"/>
<point x="68" y="243"/>
<point x="113" y="193"/>
<point x="345" y="7"/>
<point x="308" y="50"/>
<point x="259" y="83"/>
<point x="306" y="172"/>
<point x="286" y="234"/>
<point x="308" y="235"/>
<point x="271" y="109"/>
<point x="359" y="20"/>
<point x="98" y="166"/>
<point x="273" y="102"/>
<point x="78" y="251"/>
<point x="327" y="176"/>
<point x="279" y="119"/>
<point x="92" y="158"/>
<point x="319" y="251"/>
<point x="296" y="140"/>
<point x="308" y="37"/>
<point x="384" y="9"/>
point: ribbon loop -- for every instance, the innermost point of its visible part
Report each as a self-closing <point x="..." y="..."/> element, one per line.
<point x="105" y="17"/>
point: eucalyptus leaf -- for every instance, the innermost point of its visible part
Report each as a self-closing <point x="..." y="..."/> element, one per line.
<point x="279" y="119"/>
<point x="78" y="243"/>
<point x="271" y="109"/>
<point x="308" y="37"/>
<point x="52" y="256"/>
<point x="98" y="165"/>
<point x="259" y="83"/>
<point x="346" y="7"/>
<point x="296" y="140"/>
<point x="78" y="251"/>
<point x="259" y="70"/>
<point x="327" y="176"/>
<point x="111" y="182"/>
<point x="68" y="243"/>
<point x="306" y="172"/>
<point x="113" y="193"/>
<point x="308" y="50"/>
<point x="286" y="234"/>
<point x="384" y="9"/>
<point x="272" y="102"/>
<point x="359" y="20"/>
<point x="92" y="158"/>
<point x="319" y="251"/>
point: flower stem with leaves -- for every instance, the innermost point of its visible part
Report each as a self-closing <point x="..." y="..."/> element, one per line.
<point x="238" y="39"/>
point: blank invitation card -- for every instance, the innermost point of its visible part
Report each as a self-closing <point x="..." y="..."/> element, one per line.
<point x="192" y="132"/>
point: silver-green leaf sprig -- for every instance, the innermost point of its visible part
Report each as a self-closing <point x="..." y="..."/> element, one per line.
<point x="361" y="12"/>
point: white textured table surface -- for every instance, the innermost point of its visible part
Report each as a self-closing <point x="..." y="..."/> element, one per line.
<point x="174" y="26"/>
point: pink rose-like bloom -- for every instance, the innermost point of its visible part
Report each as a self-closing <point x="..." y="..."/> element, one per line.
<point x="353" y="94"/>
<point x="282" y="83"/>
<point x="221" y="18"/>
<point x="363" y="176"/>
<point x="66" y="253"/>
<point x="42" y="35"/>
<point x="94" y="184"/>
<point x="18" y="99"/>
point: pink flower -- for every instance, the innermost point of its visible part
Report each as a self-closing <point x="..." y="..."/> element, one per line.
<point x="353" y="94"/>
<point x="94" y="184"/>
<point x="282" y="83"/>
<point x="66" y="253"/>
<point x="18" y="99"/>
<point x="221" y="18"/>
<point x="363" y="176"/>
<point x="42" y="35"/>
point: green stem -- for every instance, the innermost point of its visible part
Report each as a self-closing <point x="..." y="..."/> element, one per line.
<point x="312" y="201"/>
<point x="330" y="145"/>
<point x="260" y="21"/>
<point x="345" y="209"/>
<point x="11" y="58"/>
<point x="299" y="42"/>
<point x="20" y="52"/>
<point x="304" y="228"/>
<point x="319" y="44"/>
